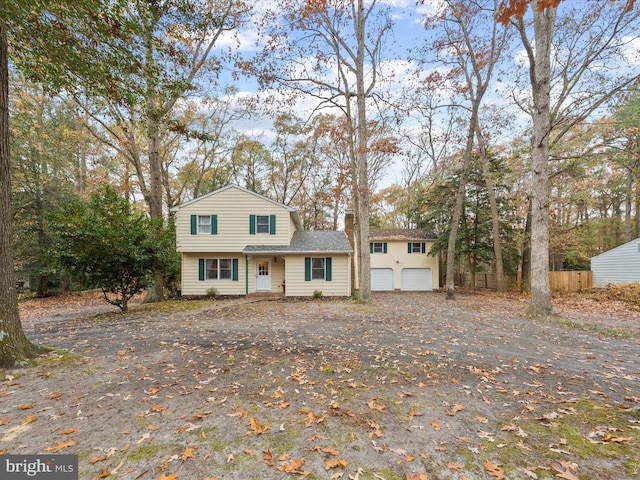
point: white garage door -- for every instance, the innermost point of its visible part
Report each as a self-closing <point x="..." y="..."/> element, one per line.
<point x="381" y="279"/>
<point x="416" y="279"/>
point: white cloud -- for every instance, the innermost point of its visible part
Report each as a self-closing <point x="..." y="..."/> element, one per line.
<point x="631" y="50"/>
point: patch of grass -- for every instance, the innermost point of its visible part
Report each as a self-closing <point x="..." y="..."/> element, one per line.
<point x="146" y="452"/>
<point x="57" y="358"/>
<point x="387" y="473"/>
<point x="586" y="430"/>
<point x="611" y="332"/>
<point x="282" y="442"/>
<point x="171" y="306"/>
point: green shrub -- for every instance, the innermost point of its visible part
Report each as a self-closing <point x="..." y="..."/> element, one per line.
<point x="212" y="292"/>
<point x="317" y="293"/>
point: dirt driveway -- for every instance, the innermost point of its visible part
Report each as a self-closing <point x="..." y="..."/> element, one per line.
<point x="411" y="387"/>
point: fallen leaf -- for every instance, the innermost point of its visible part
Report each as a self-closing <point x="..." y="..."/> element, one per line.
<point x="612" y="439"/>
<point x="188" y="453"/>
<point x="293" y="466"/>
<point x="417" y="476"/>
<point x="331" y="451"/>
<point x="267" y="458"/>
<point x="257" y="427"/>
<point x="60" y="445"/>
<point x="171" y="476"/>
<point x="329" y="464"/>
<point x="30" y="419"/>
<point x="70" y="431"/>
<point x="494" y="470"/>
<point x="375" y="406"/>
<point x="104" y="474"/>
<point x="564" y="471"/>
<point x="455" y="466"/>
<point x="26" y="407"/>
<point x="97" y="459"/>
<point x="453" y="409"/>
<point x="436" y="425"/>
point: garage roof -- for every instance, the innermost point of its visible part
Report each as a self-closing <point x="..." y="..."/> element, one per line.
<point x="401" y="234"/>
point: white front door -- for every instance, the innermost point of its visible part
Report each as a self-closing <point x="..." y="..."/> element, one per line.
<point x="263" y="275"/>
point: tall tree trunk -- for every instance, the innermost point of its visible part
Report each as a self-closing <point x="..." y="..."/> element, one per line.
<point x="525" y="285"/>
<point x="362" y="179"/>
<point x="540" y="76"/>
<point x="155" y="292"/>
<point x="15" y="349"/>
<point x="457" y="209"/>
<point x="495" y="220"/>
<point x="628" y="203"/>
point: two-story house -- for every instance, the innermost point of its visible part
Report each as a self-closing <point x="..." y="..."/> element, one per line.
<point x="240" y="242"/>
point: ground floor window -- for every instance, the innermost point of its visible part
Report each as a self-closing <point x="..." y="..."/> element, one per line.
<point x="317" y="268"/>
<point x="218" y="268"/>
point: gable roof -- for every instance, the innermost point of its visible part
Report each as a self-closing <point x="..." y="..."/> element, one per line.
<point x="323" y="241"/>
<point x="401" y="234"/>
<point x="293" y="211"/>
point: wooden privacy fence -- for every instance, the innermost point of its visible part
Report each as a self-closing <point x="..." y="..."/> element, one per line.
<point x="566" y="281"/>
<point x="571" y="281"/>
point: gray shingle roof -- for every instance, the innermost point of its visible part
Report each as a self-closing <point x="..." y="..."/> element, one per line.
<point x="325" y="241"/>
<point x="402" y="234"/>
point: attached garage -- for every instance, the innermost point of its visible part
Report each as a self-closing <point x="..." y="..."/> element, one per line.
<point x="416" y="279"/>
<point x="381" y="279"/>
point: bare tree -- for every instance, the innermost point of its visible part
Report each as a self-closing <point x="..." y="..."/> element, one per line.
<point x="569" y="50"/>
<point x="471" y="47"/>
<point x="331" y="51"/>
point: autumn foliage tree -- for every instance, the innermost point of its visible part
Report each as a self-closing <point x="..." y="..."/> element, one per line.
<point x="69" y="35"/>
<point x="330" y="51"/>
<point x="581" y="42"/>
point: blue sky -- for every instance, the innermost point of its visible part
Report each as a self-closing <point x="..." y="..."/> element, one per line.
<point x="409" y="32"/>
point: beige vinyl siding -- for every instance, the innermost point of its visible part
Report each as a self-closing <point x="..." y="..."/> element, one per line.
<point x="338" y="286"/>
<point x="233" y="208"/>
<point x="191" y="285"/>
<point x="397" y="258"/>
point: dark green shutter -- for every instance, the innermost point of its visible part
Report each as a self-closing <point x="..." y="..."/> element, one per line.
<point x="423" y="247"/>
<point x="214" y="224"/>
<point x="252" y="224"/>
<point x="371" y="247"/>
<point x="194" y="224"/>
<point x="272" y="224"/>
<point x="234" y="271"/>
<point x="327" y="269"/>
<point x="409" y="249"/>
<point x="384" y="247"/>
<point x="307" y="269"/>
<point x="201" y="269"/>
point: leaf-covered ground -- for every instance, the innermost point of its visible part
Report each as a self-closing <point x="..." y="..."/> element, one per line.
<point x="410" y="387"/>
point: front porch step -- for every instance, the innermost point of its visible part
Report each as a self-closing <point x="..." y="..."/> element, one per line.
<point x="265" y="296"/>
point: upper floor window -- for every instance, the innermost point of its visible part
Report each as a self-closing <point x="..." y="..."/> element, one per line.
<point x="416" y="247"/>
<point x="262" y="223"/>
<point x="378" y="247"/>
<point x="204" y="224"/>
